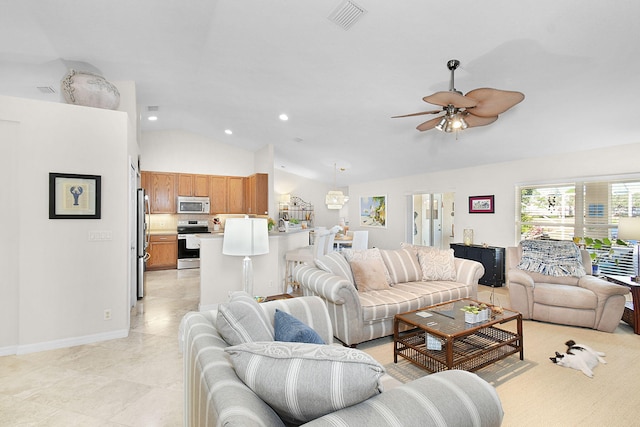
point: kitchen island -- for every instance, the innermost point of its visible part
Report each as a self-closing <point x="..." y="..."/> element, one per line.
<point x="221" y="274"/>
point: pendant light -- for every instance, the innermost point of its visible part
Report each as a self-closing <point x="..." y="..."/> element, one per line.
<point x="335" y="199"/>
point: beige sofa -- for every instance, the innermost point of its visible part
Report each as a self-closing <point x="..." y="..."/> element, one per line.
<point x="215" y="394"/>
<point x="414" y="275"/>
<point x="585" y="301"/>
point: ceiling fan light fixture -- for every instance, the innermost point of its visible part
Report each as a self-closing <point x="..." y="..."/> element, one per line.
<point x="442" y="124"/>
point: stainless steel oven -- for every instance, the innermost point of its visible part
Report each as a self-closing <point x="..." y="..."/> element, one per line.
<point x="188" y="244"/>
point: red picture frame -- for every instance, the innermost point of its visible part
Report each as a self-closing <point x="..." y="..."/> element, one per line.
<point x="481" y="204"/>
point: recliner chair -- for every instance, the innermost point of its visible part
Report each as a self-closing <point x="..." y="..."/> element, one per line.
<point x="585" y="301"/>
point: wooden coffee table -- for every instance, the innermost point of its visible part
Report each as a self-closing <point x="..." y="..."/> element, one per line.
<point x="466" y="346"/>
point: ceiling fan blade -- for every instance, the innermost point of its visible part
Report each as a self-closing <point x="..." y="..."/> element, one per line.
<point x="429" y="124"/>
<point x="491" y="102"/>
<point x="475" y="121"/>
<point x="418" y="114"/>
<point x="445" y="98"/>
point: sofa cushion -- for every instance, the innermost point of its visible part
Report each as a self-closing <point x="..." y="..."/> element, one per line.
<point x="369" y="275"/>
<point x="436" y="264"/>
<point x="242" y="320"/>
<point x="335" y="263"/>
<point x="402" y="265"/>
<point x="552" y="258"/>
<point x="288" y="328"/>
<point x="302" y="382"/>
<point x="364" y="254"/>
<point x="565" y="296"/>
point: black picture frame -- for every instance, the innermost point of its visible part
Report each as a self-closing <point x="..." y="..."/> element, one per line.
<point x="74" y="196"/>
<point x="481" y="204"/>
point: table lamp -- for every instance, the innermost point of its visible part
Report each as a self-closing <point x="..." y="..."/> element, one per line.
<point x="629" y="229"/>
<point x="246" y="237"/>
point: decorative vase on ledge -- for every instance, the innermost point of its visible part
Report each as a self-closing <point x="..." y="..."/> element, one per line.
<point x="90" y="90"/>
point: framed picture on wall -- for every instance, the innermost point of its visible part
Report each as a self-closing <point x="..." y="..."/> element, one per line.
<point x="373" y="211"/>
<point x="73" y="196"/>
<point x="481" y="204"/>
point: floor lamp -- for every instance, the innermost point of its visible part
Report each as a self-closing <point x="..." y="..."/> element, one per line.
<point x="246" y="237"/>
<point x="629" y="229"/>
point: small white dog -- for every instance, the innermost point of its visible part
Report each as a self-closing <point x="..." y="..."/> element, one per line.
<point x="579" y="356"/>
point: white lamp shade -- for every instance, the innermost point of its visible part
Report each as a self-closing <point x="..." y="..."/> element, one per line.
<point x="629" y="228"/>
<point x="245" y="237"/>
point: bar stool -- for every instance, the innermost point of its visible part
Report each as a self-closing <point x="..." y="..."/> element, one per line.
<point x="306" y="254"/>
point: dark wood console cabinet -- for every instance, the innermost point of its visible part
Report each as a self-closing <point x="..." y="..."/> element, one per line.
<point x="492" y="258"/>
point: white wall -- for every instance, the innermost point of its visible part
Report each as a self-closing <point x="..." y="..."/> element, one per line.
<point x="56" y="283"/>
<point x="498" y="179"/>
<point x="309" y="191"/>
<point x="179" y="151"/>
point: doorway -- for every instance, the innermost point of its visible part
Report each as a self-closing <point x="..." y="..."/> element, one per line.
<point x="432" y="218"/>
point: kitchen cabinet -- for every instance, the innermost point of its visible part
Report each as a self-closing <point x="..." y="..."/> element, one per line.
<point x="163" y="252"/>
<point x="235" y="195"/>
<point x="257" y="194"/>
<point x="193" y="185"/>
<point x="162" y="192"/>
<point x="218" y="194"/>
<point x="491" y="258"/>
<point x="227" y="194"/>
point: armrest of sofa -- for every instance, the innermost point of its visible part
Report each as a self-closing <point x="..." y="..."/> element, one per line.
<point x="602" y="288"/>
<point x="343" y="302"/>
<point x="469" y="272"/>
<point x="521" y="285"/>
<point x="326" y="285"/>
<point x="452" y="398"/>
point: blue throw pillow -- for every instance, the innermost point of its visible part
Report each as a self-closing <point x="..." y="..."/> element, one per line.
<point x="288" y="328"/>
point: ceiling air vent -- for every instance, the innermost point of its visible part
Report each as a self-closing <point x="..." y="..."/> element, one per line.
<point x="346" y="14"/>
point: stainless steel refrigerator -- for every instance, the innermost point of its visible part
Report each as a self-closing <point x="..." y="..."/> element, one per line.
<point x="143" y="237"/>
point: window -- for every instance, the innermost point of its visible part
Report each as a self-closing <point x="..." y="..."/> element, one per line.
<point x="580" y="209"/>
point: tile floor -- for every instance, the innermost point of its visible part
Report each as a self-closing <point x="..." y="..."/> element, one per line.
<point x="133" y="381"/>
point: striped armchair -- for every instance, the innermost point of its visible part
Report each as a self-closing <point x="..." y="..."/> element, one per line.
<point x="216" y="396"/>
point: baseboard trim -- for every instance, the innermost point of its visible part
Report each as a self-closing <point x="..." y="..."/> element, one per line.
<point x="63" y="343"/>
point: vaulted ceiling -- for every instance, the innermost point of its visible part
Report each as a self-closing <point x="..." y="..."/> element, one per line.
<point x="238" y="64"/>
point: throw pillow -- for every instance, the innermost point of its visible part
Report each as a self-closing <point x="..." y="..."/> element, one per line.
<point x="242" y="320"/>
<point x="436" y="264"/>
<point x="402" y="265"/>
<point x="302" y="382"/>
<point x="360" y="255"/>
<point x="335" y="263"/>
<point x="288" y="328"/>
<point x="369" y="275"/>
<point x="552" y="258"/>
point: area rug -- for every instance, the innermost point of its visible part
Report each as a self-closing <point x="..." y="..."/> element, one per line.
<point x="536" y="392"/>
<point x="405" y="371"/>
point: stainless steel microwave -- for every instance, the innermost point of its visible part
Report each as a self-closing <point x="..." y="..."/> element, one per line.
<point x="193" y="205"/>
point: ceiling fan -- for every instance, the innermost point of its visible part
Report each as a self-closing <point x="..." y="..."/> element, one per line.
<point x="479" y="107"/>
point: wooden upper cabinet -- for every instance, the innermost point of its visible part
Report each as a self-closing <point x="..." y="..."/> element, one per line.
<point x="218" y="194"/>
<point x="193" y="185"/>
<point x="227" y="194"/>
<point x="257" y="194"/>
<point x="144" y="181"/>
<point x="162" y="192"/>
<point x="235" y="194"/>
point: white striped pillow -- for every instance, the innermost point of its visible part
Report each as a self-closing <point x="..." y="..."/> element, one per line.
<point x="302" y="381"/>
<point x="402" y="264"/>
<point x="335" y="263"/>
<point x="242" y="320"/>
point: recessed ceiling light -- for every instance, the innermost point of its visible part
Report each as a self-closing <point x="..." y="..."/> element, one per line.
<point x="152" y="118"/>
<point x="228" y="131"/>
<point x="284" y="117"/>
